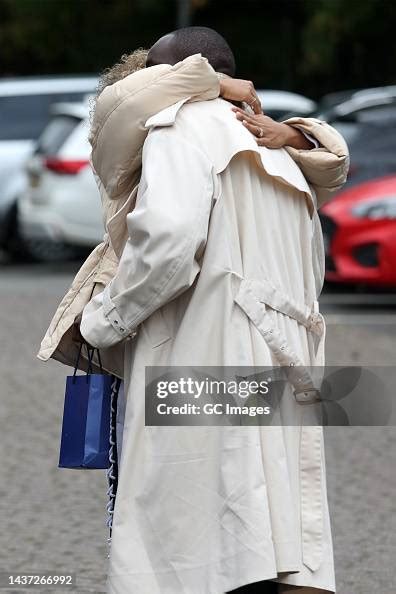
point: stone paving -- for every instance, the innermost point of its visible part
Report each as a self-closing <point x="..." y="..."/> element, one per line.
<point x="54" y="519"/>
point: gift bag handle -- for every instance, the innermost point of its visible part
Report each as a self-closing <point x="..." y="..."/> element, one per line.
<point x="90" y="354"/>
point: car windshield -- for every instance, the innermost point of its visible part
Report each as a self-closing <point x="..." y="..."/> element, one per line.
<point x="23" y="117"/>
<point x="351" y="125"/>
<point x="374" y="141"/>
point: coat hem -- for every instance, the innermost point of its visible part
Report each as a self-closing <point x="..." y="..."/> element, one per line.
<point x="232" y="585"/>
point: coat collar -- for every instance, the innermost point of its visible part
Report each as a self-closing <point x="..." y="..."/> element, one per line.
<point x="236" y="138"/>
<point x="167" y="116"/>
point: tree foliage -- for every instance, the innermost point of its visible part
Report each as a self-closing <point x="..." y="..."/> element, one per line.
<point x="309" y="46"/>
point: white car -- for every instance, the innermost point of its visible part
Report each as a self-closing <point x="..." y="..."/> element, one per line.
<point x="60" y="212"/>
<point x="24" y="110"/>
<point x="282" y="104"/>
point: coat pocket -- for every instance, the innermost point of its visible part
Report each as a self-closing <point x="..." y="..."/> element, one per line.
<point x="157" y="329"/>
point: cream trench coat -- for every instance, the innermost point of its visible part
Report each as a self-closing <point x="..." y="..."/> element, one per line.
<point x="117" y="135"/>
<point x="218" y="269"/>
<point x="199" y="528"/>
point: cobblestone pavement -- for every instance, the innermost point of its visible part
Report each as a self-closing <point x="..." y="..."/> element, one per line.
<point x="54" y="519"/>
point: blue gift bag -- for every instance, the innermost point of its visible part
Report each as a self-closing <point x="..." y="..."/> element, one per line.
<point x="85" y="439"/>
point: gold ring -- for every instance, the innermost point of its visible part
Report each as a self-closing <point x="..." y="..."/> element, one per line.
<point x="261" y="133"/>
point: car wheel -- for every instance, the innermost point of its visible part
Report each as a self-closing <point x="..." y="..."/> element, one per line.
<point x="13" y="244"/>
<point x="21" y="249"/>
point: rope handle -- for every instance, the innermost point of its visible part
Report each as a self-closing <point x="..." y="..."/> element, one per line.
<point x="90" y="353"/>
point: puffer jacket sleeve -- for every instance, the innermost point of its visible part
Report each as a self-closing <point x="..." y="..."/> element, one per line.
<point x="326" y="167"/>
<point x="117" y="131"/>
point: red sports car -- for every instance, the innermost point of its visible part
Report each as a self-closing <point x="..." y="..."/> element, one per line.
<point x="359" y="229"/>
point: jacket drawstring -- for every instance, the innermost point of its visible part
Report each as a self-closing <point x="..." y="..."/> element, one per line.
<point x="112" y="471"/>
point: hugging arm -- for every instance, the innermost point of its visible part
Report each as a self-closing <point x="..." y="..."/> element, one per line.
<point x="166" y="233"/>
<point x="118" y="125"/>
<point x="318" y="149"/>
<point x="325" y="167"/>
<point x="118" y="128"/>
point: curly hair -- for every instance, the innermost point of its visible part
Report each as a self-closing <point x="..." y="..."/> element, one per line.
<point x="128" y="64"/>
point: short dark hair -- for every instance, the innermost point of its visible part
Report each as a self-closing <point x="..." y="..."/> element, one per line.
<point x="200" y="40"/>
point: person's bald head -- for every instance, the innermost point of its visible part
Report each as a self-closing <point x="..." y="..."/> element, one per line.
<point x="178" y="45"/>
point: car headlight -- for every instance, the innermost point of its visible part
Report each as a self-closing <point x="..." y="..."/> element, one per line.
<point x="376" y="210"/>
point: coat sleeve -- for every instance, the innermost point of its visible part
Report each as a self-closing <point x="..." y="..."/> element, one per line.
<point x="325" y="167"/>
<point x="166" y="235"/>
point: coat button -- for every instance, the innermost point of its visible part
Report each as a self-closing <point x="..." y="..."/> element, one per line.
<point x="131" y="335"/>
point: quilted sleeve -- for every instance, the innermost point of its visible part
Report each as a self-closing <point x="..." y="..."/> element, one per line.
<point x="325" y="167"/>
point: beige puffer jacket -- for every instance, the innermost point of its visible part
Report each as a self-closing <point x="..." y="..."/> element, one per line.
<point x="117" y="136"/>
